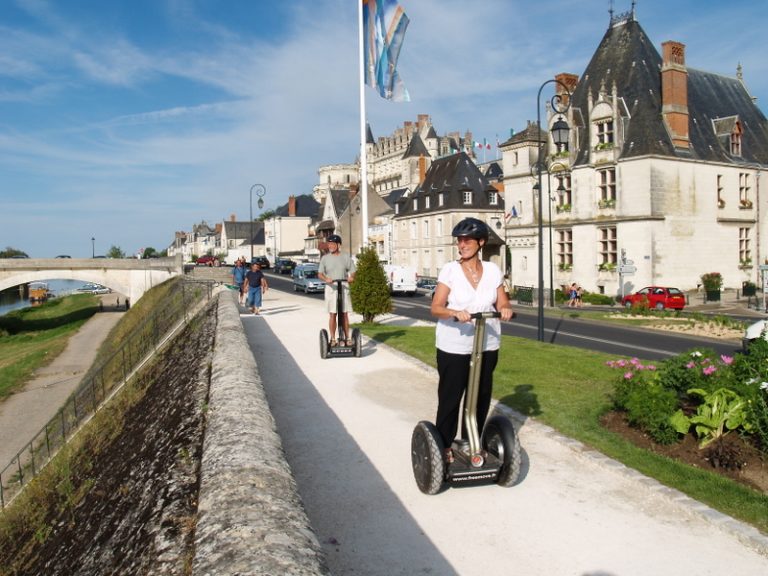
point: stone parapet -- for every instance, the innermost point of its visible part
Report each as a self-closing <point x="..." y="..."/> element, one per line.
<point x="250" y="518"/>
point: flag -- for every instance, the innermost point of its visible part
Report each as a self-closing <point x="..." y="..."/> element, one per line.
<point x="384" y="25"/>
<point x="477" y="144"/>
<point x="487" y="144"/>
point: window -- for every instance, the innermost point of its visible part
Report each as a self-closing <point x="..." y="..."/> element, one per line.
<point x="605" y="133"/>
<point x="426" y="202"/>
<point x="564" y="199"/>
<point x="744" y="192"/>
<point x="607" y="248"/>
<point x="736" y="140"/>
<point x="745" y="254"/>
<point x="425" y="227"/>
<point x="493" y="198"/>
<point x="440" y="199"/>
<point x="439" y="230"/>
<point x="467" y="197"/>
<point x="414" y="231"/>
<point x="415" y="203"/>
<point x="607" y="187"/>
<point x="720" y="199"/>
<point x="565" y="249"/>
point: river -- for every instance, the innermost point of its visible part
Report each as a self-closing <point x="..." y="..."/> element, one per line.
<point x="11" y="299"/>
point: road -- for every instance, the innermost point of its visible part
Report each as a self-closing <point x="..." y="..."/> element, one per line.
<point x="560" y="327"/>
<point x="346" y="424"/>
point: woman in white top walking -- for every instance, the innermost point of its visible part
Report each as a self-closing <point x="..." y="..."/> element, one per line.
<point x="466" y="286"/>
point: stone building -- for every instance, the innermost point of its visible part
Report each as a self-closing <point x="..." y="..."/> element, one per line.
<point x="663" y="166"/>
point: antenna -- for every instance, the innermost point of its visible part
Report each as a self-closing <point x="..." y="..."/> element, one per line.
<point x="610" y="9"/>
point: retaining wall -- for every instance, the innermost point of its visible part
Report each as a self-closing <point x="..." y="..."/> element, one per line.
<point x="250" y="518"/>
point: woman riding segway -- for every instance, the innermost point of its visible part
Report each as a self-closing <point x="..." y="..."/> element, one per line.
<point x="468" y="289"/>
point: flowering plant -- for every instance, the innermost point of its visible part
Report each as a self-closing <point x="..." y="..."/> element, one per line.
<point x="712" y="281"/>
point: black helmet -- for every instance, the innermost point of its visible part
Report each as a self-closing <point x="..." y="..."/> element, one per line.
<point x="334" y="238"/>
<point x="471" y="228"/>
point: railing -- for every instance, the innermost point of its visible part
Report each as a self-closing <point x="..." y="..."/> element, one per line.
<point x="523" y="294"/>
<point x="99" y="383"/>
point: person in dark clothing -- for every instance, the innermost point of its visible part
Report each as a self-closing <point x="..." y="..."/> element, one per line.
<point x="255" y="287"/>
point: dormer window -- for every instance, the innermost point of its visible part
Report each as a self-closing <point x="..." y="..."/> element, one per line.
<point x="415" y="203"/>
<point x="467" y="196"/>
<point x="493" y="198"/>
<point x="605" y="132"/>
<point x="426" y="202"/>
<point x="440" y="199"/>
<point x="736" y="140"/>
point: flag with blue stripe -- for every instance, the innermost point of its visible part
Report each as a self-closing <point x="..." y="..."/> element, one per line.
<point x="384" y="25"/>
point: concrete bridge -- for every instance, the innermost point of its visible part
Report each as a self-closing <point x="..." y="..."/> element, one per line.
<point x="129" y="276"/>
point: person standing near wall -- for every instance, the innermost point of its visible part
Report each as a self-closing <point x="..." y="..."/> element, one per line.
<point x="255" y="287"/>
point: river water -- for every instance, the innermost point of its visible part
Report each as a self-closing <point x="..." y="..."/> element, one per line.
<point x="11" y="299"/>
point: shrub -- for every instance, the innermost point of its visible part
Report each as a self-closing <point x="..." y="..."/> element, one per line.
<point x="712" y="281"/>
<point x="370" y="292"/>
<point x="599" y="299"/>
<point x="651" y="407"/>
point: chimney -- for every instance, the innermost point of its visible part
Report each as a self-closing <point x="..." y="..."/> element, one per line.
<point x="218" y="227"/>
<point x="674" y="92"/>
<point x="232" y="218"/>
<point x="570" y="81"/>
<point x="422" y="168"/>
<point x="423" y="120"/>
<point x="291" y="205"/>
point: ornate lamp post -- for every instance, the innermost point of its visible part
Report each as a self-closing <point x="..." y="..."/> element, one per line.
<point x="260" y="191"/>
<point x="559" y="132"/>
<point x="93" y="247"/>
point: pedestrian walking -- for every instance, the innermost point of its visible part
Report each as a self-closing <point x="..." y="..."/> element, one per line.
<point x="238" y="278"/>
<point x="255" y="287"/>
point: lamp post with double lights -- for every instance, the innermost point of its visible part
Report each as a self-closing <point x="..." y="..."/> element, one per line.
<point x="559" y="132"/>
<point x="260" y="191"/>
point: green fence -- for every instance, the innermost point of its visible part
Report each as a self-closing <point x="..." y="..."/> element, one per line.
<point x="523" y="295"/>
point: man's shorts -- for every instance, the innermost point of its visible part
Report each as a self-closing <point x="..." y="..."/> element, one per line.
<point x="330" y="298"/>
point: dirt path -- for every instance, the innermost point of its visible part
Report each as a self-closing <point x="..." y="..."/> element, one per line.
<point x="24" y="414"/>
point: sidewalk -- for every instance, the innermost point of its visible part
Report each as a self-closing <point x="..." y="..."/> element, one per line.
<point x="346" y="425"/>
<point x="23" y="414"/>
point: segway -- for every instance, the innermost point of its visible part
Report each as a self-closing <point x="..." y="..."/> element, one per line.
<point x="492" y="459"/>
<point x="352" y="345"/>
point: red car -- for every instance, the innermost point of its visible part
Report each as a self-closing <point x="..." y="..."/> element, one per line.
<point x="207" y="261"/>
<point x="658" y="297"/>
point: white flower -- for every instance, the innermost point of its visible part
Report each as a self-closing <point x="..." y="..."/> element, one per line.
<point x="696" y="354"/>
<point x="764" y="386"/>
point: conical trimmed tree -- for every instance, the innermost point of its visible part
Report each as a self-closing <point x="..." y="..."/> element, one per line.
<point x="369" y="291"/>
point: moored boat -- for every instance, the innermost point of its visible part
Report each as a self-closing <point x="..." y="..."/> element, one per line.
<point x="38" y="291"/>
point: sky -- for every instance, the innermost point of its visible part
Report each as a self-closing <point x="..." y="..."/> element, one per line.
<point x="128" y="120"/>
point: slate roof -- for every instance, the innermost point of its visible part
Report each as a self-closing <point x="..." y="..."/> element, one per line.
<point x="306" y="206"/>
<point x="451" y="175"/>
<point x="242" y="230"/>
<point x="369" y="134"/>
<point x="416" y="148"/>
<point x="627" y="57"/>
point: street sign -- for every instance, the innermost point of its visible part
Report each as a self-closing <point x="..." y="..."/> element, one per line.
<point x="628" y="262"/>
<point x="627" y="270"/>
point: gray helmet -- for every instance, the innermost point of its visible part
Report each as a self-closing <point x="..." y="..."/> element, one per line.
<point x="471" y="228"/>
<point x="334" y="238"/>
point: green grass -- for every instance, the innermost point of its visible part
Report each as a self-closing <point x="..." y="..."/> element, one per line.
<point x="568" y="389"/>
<point x="31" y="338"/>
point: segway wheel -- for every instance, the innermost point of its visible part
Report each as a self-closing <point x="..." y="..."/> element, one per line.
<point x="500" y="439"/>
<point x="324" y="344"/>
<point x="427" y="458"/>
<point x="356" y="342"/>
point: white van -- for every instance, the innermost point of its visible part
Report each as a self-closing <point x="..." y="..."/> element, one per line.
<point x="305" y="279"/>
<point x="401" y="279"/>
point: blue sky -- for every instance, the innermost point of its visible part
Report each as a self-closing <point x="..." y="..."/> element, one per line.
<point x="126" y="120"/>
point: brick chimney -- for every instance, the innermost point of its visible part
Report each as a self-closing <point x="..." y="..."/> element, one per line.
<point x="422" y="168"/>
<point x="674" y="92"/>
<point x="570" y="81"/>
<point x="291" y="205"/>
<point x="232" y="218"/>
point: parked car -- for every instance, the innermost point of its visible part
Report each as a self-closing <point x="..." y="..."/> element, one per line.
<point x="63" y="256"/>
<point x="658" y="297"/>
<point x="427" y="284"/>
<point x="284" y="266"/>
<point x="305" y="279"/>
<point x="401" y="279"/>
<point x="92" y="288"/>
<point x="207" y="260"/>
<point x="753" y="332"/>
<point x="262" y="261"/>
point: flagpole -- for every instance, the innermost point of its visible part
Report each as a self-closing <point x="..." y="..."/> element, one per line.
<point x="363" y="186"/>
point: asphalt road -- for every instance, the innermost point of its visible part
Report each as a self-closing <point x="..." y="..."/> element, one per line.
<point x="346" y="425"/>
<point x="560" y="327"/>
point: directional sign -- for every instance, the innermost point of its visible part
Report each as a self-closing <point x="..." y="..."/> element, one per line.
<point x="628" y="262"/>
<point x="627" y="270"/>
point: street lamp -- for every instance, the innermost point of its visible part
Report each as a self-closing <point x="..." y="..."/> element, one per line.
<point x="562" y="171"/>
<point x="559" y="132"/>
<point x="357" y="211"/>
<point x="260" y="191"/>
<point x="93" y="247"/>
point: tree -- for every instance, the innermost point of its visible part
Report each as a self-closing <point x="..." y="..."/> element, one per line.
<point x="265" y="215"/>
<point x="115" y="252"/>
<point x="11" y="252"/>
<point x="370" y="291"/>
<point x="149" y="252"/>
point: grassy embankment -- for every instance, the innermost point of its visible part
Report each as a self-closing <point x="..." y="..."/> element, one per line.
<point x="569" y="389"/>
<point x="32" y="337"/>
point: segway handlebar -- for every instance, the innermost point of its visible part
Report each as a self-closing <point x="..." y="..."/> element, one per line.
<point x="478" y="315"/>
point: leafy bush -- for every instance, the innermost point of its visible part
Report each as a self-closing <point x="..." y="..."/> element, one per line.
<point x="720" y="412"/>
<point x="599" y="299"/>
<point x="712" y="281"/>
<point x="370" y="292"/>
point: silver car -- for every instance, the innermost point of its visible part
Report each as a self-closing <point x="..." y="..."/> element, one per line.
<point x="305" y="279"/>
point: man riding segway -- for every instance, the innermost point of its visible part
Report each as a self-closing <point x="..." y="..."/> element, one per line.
<point x="337" y="270"/>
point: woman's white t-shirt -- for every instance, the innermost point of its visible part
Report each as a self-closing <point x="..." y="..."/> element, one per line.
<point x="457" y="337"/>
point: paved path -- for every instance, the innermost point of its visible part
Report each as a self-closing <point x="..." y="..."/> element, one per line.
<point x="24" y="414"/>
<point x="346" y="425"/>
